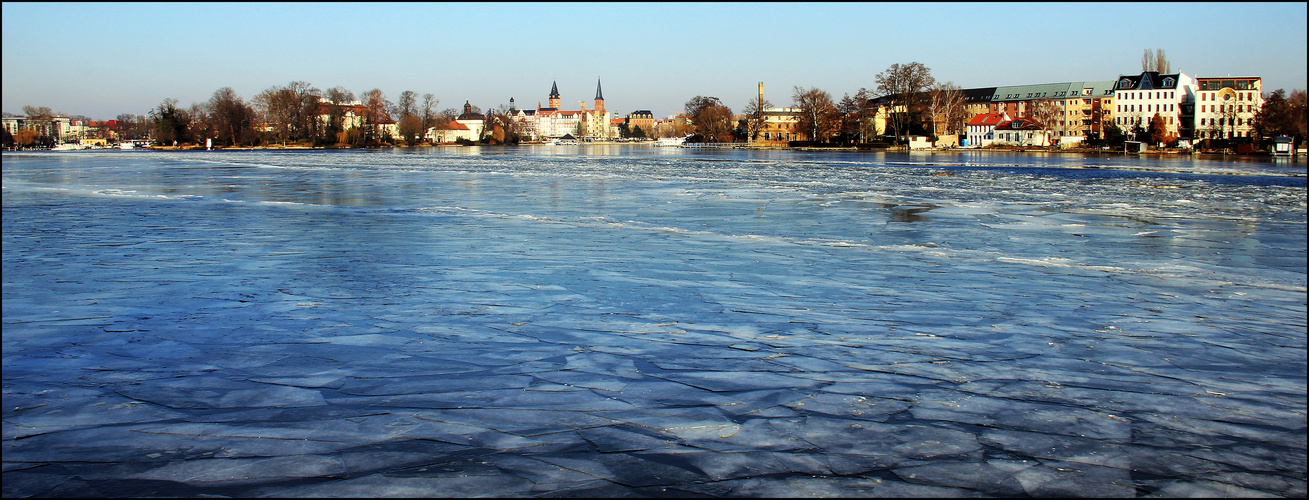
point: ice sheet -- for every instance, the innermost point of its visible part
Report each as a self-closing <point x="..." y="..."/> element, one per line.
<point x="644" y="321"/>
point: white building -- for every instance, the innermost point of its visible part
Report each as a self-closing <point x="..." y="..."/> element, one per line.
<point x="550" y="122"/>
<point x="1225" y="107"/>
<point x="1022" y="132"/>
<point x="1138" y="98"/>
<point x="981" y="129"/>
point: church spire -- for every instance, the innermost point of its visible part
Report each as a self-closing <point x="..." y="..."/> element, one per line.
<point x="554" y="95"/>
<point x="599" y="97"/>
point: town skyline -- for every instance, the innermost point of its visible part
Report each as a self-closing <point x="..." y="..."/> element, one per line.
<point x="109" y="59"/>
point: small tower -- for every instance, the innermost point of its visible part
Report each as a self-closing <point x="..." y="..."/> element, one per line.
<point x="554" y="95"/>
<point x="512" y="108"/>
<point x="599" y="97"/>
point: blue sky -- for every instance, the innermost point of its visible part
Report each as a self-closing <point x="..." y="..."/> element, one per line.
<point x="104" y="59"/>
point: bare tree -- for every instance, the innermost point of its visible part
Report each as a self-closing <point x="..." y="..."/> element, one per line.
<point x="818" y="116"/>
<point x="901" y="86"/>
<point x="406" y="105"/>
<point x="946" y="103"/>
<point x="1046" y="113"/>
<point x="429" y="111"/>
<point x="202" y="125"/>
<point x="291" y="111"/>
<point x="231" y="119"/>
<point x="710" y="118"/>
<point x="339" y="95"/>
<point x="376" y="107"/>
<point x="38" y="113"/>
<point x="1154" y="60"/>
<point x="411" y="129"/>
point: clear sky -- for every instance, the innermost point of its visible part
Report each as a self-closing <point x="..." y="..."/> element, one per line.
<point x="103" y="59"/>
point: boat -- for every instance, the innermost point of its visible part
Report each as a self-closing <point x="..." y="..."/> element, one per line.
<point x="671" y="141"/>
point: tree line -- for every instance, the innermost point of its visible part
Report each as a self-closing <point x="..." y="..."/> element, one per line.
<point x="913" y="100"/>
<point x="298" y="113"/>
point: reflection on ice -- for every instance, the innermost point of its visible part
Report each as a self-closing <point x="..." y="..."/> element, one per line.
<point x="642" y="322"/>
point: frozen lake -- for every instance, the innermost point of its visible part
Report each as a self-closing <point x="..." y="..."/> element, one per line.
<point x="637" y="321"/>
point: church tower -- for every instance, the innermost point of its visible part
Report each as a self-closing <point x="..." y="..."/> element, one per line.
<point x="554" y="95"/>
<point x="599" y="97"/>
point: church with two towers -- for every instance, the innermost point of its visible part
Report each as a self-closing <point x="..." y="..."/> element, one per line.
<point x="551" y="122"/>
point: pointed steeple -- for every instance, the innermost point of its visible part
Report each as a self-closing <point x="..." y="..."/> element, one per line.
<point x="554" y="90"/>
<point x="598" y="95"/>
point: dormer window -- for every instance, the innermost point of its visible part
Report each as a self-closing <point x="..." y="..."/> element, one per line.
<point x="1168" y="82"/>
<point x="1125" y="84"/>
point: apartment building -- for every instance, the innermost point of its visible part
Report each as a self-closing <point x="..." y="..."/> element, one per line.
<point x="1137" y="98"/>
<point x="1079" y="107"/>
<point x="1225" y="107"/>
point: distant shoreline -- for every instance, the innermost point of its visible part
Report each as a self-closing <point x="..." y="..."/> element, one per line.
<point x="1088" y="151"/>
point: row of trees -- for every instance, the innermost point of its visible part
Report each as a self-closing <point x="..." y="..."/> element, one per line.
<point x="912" y="99"/>
<point x="295" y="113"/>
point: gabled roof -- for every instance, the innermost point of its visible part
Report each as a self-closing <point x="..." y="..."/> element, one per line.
<point x="1020" y="124"/>
<point x="986" y="119"/>
<point x="1148" y="80"/>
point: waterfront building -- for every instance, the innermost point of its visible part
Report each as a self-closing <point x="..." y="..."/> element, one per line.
<point x="351" y="113"/>
<point x="55" y="127"/>
<point x="1022" y="132"/>
<point x="977" y="102"/>
<point x="781" y="125"/>
<point x="1079" y="107"/>
<point x="473" y="121"/>
<point x="551" y="122"/>
<point x="641" y="118"/>
<point x="1137" y="98"/>
<point x="1225" y="107"/>
<point x="981" y="128"/>
<point x="451" y="132"/>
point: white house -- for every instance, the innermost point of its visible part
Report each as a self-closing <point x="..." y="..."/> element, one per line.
<point x="1021" y="132"/>
<point x="981" y="129"/>
<point x="1138" y="98"/>
<point x="451" y="133"/>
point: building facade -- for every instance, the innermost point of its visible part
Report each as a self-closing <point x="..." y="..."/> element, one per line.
<point x="551" y="122"/>
<point x="1225" y="107"/>
<point x="981" y="128"/>
<point x="1137" y="98"/>
<point x="1022" y="132"/>
<point x="641" y="118"/>
<point x="1079" y="108"/>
